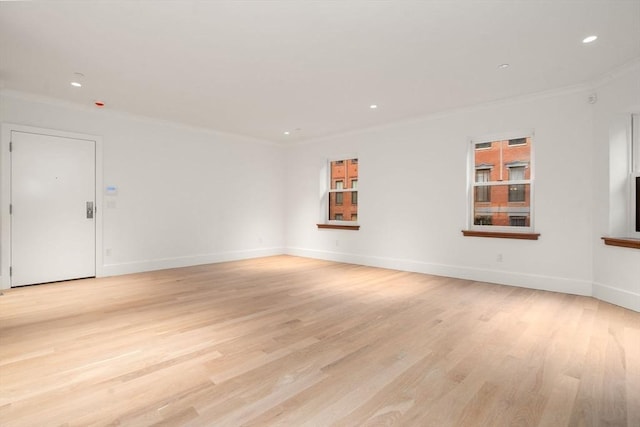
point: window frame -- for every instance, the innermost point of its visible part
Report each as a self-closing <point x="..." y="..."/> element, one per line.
<point x="634" y="174"/>
<point x="472" y="184"/>
<point x="346" y="161"/>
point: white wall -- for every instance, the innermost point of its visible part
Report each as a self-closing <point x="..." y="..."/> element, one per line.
<point x="189" y="196"/>
<point x="412" y="196"/>
<point x="185" y="196"/>
<point x="616" y="270"/>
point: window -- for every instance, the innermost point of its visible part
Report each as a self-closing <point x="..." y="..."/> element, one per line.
<point x="624" y="174"/>
<point x="343" y="208"/>
<point x="516" y="191"/>
<point x="483" y="220"/>
<point x="518" y="221"/>
<point x="501" y="183"/>
<point x="517" y="141"/>
<point x="483" y="193"/>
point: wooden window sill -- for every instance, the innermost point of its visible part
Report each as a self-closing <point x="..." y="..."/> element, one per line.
<point x="622" y="242"/>
<point x="501" y="235"/>
<point x="339" y="227"/>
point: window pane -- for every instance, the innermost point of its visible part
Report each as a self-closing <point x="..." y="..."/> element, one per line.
<point x="341" y="207"/>
<point x="503" y="203"/>
<point x="354" y="197"/>
<point x="498" y="157"/>
<point x="342" y="172"/>
<point x="354" y="183"/>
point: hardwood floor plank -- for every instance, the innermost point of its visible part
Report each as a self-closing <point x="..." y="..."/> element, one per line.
<point x="286" y="341"/>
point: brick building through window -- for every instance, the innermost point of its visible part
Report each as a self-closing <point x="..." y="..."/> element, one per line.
<point x="343" y="194"/>
<point x="502" y="183"/>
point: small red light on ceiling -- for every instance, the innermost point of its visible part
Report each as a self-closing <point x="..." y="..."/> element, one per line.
<point x="99" y="104"/>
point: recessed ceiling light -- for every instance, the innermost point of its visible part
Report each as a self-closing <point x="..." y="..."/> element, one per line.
<point x="373" y="106"/>
<point x="589" y="39"/>
<point x="76" y="79"/>
<point x="503" y="66"/>
<point x="286" y="132"/>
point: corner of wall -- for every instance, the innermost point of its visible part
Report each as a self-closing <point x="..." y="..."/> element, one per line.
<point x="617" y="296"/>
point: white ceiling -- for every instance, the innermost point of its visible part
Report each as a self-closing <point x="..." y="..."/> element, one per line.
<point x="258" y="68"/>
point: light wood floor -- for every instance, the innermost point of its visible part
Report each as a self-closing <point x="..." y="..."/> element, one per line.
<point x="297" y="342"/>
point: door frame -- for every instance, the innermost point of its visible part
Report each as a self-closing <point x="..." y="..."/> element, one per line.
<point x="5" y="194"/>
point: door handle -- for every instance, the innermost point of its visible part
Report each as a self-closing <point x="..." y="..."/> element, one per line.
<point x="89" y="210"/>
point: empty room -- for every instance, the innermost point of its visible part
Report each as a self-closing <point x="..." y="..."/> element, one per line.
<point x="320" y="213"/>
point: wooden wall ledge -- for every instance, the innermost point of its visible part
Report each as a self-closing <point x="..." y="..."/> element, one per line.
<point x="501" y="234"/>
<point x="339" y="227"/>
<point x="622" y="242"/>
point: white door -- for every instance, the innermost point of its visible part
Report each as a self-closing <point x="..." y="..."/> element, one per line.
<point x="52" y="208"/>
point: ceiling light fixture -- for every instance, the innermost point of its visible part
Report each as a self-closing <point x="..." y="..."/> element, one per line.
<point x="76" y="80"/>
<point x="373" y="106"/>
<point x="503" y="66"/>
<point x="286" y="132"/>
<point x="589" y="39"/>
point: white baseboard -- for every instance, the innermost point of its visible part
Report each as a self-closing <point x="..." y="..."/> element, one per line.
<point x="617" y="296"/>
<point x="187" y="261"/>
<point x="546" y="283"/>
<point x="599" y="291"/>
